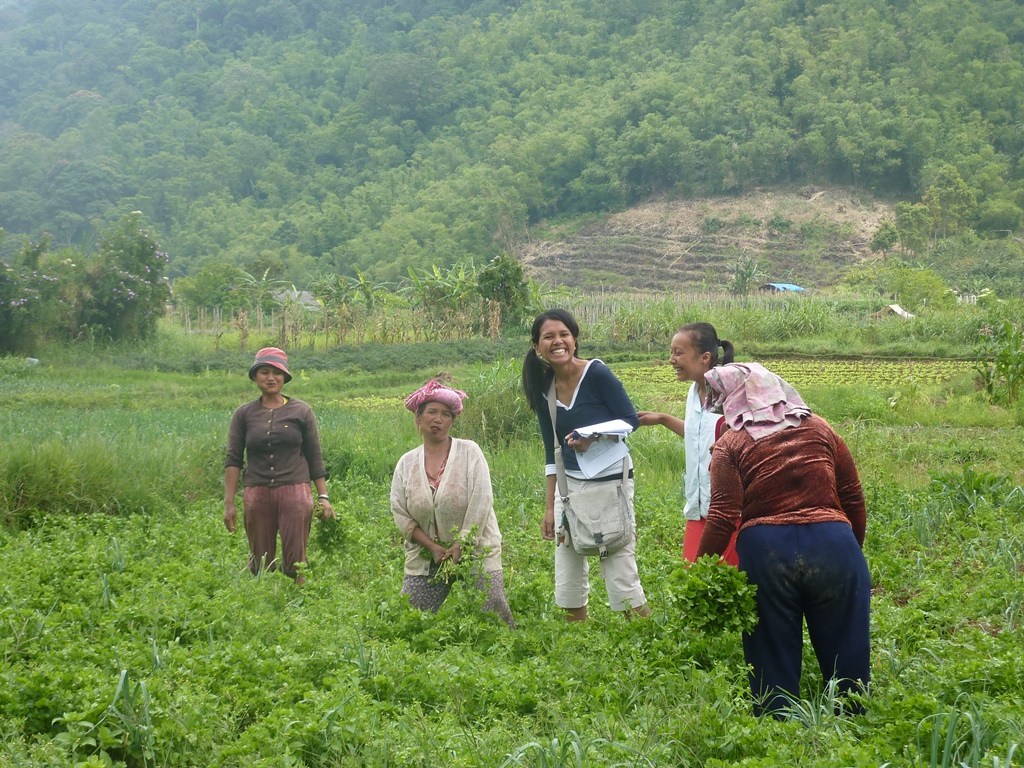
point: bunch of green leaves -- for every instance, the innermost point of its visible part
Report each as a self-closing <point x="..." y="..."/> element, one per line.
<point x="712" y="596"/>
<point x="469" y="562"/>
<point x="329" y="532"/>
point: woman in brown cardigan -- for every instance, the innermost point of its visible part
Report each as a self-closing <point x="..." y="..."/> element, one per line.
<point x="275" y="439"/>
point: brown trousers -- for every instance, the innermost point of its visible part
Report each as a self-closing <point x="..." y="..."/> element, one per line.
<point x="265" y="511"/>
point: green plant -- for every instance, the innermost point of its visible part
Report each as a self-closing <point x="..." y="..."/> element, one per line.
<point x="906" y="396"/>
<point x="330" y="533"/>
<point x="711" y="596"/>
<point x="447" y="297"/>
<point x="780" y="223"/>
<point x="1000" y="362"/>
<point x="128" y="724"/>
<point x="964" y="490"/>
<point x="711" y="225"/>
<point x="570" y="752"/>
<point x="746" y="274"/>
<point x="956" y="738"/>
<point x="824" y="713"/>
<point x="469" y="563"/>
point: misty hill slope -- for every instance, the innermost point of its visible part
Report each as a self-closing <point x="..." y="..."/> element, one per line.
<point x="809" y="236"/>
<point x="300" y="138"/>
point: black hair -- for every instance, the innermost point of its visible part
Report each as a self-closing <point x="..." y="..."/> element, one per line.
<point x="537" y="374"/>
<point x="705" y="339"/>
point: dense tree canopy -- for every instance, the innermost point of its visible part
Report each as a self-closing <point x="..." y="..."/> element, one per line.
<point x="373" y="136"/>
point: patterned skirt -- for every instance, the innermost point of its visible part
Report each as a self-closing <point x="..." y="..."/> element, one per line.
<point x="428" y="593"/>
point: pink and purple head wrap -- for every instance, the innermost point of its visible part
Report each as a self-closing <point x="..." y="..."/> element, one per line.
<point x="755" y="399"/>
<point x="435" y="391"/>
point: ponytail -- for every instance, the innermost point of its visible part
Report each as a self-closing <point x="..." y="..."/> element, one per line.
<point x="537" y="376"/>
<point x="728" y="352"/>
<point x="705" y="339"/>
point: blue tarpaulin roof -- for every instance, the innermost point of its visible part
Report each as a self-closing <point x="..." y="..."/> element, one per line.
<point x="782" y="287"/>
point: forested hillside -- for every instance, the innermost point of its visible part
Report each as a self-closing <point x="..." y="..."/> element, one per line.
<point x="325" y="136"/>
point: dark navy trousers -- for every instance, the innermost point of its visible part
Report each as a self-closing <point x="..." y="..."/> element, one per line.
<point x="814" y="571"/>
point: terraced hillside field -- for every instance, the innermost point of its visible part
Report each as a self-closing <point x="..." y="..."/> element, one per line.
<point x="810" y="236"/>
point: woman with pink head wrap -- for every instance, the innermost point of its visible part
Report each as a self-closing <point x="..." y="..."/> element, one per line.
<point x="789" y="480"/>
<point x="435" y="391"/>
<point x="440" y="494"/>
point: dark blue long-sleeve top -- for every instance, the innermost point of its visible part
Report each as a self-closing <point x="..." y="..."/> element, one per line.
<point x="599" y="397"/>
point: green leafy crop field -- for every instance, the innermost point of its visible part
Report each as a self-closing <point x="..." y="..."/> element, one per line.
<point x="132" y="634"/>
<point x="660" y="380"/>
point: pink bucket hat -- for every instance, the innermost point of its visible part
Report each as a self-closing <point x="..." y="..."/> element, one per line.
<point x="434" y="391"/>
<point x="275" y="358"/>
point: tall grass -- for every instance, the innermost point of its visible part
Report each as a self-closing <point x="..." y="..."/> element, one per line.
<point x="792" y="324"/>
<point x="110" y="460"/>
<point x="641" y="324"/>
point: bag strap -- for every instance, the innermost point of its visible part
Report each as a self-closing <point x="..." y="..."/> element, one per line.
<point x="563" y="486"/>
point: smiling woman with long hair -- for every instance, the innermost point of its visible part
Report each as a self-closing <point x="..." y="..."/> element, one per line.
<point x="586" y="393"/>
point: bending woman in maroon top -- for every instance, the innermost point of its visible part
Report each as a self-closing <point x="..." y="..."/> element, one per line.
<point x="275" y="438"/>
<point x="791" y="482"/>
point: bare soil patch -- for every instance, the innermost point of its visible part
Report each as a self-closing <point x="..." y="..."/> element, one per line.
<point x="809" y="236"/>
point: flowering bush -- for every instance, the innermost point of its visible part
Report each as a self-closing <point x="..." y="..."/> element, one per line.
<point x="117" y="294"/>
<point x="124" y="290"/>
<point x="26" y="294"/>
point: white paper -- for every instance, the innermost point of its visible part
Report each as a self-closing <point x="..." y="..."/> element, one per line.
<point x="601" y="455"/>
<point x="613" y="427"/>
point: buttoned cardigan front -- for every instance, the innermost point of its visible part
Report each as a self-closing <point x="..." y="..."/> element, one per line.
<point x="276" y="446"/>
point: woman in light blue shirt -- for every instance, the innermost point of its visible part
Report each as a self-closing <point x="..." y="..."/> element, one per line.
<point x="695" y="350"/>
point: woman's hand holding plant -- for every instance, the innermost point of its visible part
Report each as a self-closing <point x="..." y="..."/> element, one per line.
<point x="439" y="552"/>
<point x="230" y="516"/>
<point x="326" y="510"/>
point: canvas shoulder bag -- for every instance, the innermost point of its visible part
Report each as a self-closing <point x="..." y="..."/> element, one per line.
<point x="598" y="519"/>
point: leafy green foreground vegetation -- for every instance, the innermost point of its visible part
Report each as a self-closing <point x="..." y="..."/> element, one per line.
<point x="132" y="634"/>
